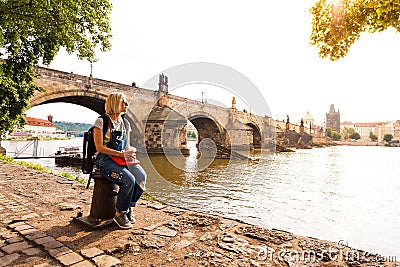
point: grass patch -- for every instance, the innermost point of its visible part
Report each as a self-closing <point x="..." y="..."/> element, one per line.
<point x="38" y="167"/>
<point x="34" y="166"/>
<point x="72" y="178"/>
<point x="146" y="196"/>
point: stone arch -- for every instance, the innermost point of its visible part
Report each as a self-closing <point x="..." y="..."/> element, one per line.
<point x="208" y="127"/>
<point x="90" y="100"/>
<point x="257" y="141"/>
<point x="93" y="101"/>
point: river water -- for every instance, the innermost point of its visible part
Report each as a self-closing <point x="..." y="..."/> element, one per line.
<point x="348" y="193"/>
<point x="45" y="148"/>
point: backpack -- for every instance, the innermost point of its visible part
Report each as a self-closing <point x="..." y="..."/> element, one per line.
<point x="89" y="148"/>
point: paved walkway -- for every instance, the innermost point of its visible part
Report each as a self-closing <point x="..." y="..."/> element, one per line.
<point x="20" y="242"/>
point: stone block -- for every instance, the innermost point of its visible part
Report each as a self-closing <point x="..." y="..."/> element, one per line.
<point x="45" y="264"/>
<point x="157" y="206"/>
<point x="31" y="251"/>
<point x="83" y="264"/>
<point x="43" y="240"/>
<point x="151" y="241"/>
<point x="106" y="261"/>
<point x="29" y="231"/>
<point x="53" y="245"/>
<point x="70" y="258"/>
<point x="13" y="225"/>
<point x="15" y="239"/>
<point x="91" y="252"/>
<point x="59" y="251"/>
<point x="15" y="247"/>
<point x="22" y="227"/>
<point x="8" y="259"/>
<point x="35" y="235"/>
<point x="165" y="231"/>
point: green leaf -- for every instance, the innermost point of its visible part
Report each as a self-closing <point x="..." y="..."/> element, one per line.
<point x="34" y="30"/>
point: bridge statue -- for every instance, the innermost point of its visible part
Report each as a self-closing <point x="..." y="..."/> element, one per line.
<point x="162" y="83"/>
<point x="233" y="102"/>
<point x="163" y="98"/>
<point x="301" y="126"/>
<point x="287" y="123"/>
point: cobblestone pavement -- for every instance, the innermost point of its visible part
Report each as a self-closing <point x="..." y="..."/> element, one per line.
<point x="21" y="244"/>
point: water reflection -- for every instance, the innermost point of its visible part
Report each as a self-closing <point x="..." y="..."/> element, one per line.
<point x="334" y="193"/>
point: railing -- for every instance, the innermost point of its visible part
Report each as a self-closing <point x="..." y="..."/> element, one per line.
<point x="34" y="142"/>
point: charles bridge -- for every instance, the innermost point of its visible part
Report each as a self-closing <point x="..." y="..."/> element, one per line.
<point x="159" y="119"/>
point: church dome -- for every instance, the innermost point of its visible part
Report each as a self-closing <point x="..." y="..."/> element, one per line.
<point x="308" y="117"/>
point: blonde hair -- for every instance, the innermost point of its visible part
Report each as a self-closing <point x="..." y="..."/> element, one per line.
<point x="113" y="102"/>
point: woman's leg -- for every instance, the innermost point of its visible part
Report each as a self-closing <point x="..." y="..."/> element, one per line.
<point x="123" y="178"/>
<point x="140" y="185"/>
<point x="137" y="193"/>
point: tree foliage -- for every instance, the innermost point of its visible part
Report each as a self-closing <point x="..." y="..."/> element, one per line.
<point x="33" y="31"/>
<point x="373" y="137"/>
<point x="347" y="132"/>
<point x="336" y="136"/>
<point x="329" y="132"/>
<point x="350" y="133"/>
<point x="337" y="24"/>
<point x="355" y="136"/>
<point x="387" y="137"/>
<point x="72" y="126"/>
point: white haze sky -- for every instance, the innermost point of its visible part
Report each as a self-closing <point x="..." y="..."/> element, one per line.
<point x="267" y="41"/>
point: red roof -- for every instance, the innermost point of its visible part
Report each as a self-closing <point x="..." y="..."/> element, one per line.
<point x="346" y="123"/>
<point x="38" y="122"/>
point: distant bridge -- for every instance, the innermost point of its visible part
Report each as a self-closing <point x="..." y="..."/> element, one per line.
<point x="158" y="119"/>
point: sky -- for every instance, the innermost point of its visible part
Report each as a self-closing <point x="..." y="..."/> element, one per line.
<point x="266" y="41"/>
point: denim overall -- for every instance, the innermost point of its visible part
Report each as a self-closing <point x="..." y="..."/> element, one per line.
<point x="127" y="178"/>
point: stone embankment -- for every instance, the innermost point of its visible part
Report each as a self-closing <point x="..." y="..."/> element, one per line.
<point x="37" y="229"/>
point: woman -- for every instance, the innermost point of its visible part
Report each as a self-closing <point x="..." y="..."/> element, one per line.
<point x="115" y="142"/>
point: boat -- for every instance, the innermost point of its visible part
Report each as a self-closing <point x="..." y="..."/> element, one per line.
<point x="69" y="156"/>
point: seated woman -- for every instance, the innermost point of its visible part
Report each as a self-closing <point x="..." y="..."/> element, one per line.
<point x="115" y="142"/>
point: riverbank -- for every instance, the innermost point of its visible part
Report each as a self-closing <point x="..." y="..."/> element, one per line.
<point x="30" y="138"/>
<point x="36" y="229"/>
<point x="358" y="143"/>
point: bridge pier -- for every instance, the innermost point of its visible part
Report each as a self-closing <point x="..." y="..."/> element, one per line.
<point x="165" y="132"/>
<point x="241" y="138"/>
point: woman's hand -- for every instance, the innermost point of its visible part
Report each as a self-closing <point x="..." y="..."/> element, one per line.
<point x="130" y="154"/>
